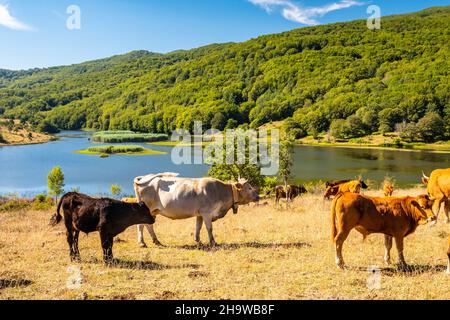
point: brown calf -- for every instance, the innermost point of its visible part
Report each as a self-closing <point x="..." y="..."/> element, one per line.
<point x="394" y="217"/>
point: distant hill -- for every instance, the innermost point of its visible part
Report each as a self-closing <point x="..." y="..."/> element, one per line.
<point x="310" y="77"/>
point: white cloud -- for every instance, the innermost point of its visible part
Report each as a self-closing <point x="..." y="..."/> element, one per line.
<point x="304" y="15"/>
<point x="8" y="21"/>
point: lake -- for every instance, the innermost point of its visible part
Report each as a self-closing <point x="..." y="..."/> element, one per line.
<point x="24" y="169"/>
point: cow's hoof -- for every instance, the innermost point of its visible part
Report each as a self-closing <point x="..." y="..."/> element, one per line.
<point x="75" y="259"/>
<point x="142" y="245"/>
<point x="341" y="266"/>
<point x="157" y="243"/>
<point x="387" y="262"/>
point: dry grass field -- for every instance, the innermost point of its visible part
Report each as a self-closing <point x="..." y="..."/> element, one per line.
<point x="265" y="252"/>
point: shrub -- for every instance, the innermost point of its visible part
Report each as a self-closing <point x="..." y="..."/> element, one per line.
<point x="108" y="150"/>
<point x="431" y="127"/>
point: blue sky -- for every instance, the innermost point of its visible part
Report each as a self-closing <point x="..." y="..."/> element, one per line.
<point x="33" y="33"/>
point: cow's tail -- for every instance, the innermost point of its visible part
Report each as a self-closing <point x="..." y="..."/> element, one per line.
<point x="57" y="217"/>
<point x="136" y="188"/>
<point x="333" y="216"/>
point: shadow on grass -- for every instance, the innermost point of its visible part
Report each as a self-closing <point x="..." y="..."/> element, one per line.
<point x="234" y="246"/>
<point x="14" y="283"/>
<point x="410" y="270"/>
<point x="141" y="265"/>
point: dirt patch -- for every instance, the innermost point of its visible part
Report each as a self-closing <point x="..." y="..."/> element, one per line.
<point x="198" y="274"/>
<point x="166" y="295"/>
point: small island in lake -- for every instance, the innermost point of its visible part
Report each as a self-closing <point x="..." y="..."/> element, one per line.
<point x="106" y="151"/>
<point x="127" y="136"/>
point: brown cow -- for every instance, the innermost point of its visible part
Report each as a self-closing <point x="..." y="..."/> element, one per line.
<point x="292" y="190"/>
<point x="394" y="217"/>
<point x="438" y="187"/>
<point x="448" y="255"/>
<point x="107" y="216"/>
<point x="353" y="186"/>
<point x="388" y="188"/>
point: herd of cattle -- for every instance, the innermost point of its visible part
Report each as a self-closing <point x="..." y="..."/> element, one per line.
<point x="209" y="199"/>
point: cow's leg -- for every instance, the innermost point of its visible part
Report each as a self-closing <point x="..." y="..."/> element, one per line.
<point x="401" y="258"/>
<point x="70" y="239"/>
<point x="140" y="229"/>
<point x="153" y="234"/>
<point x="198" y="228"/>
<point x="107" y="244"/>
<point x="448" y="263"/>
<point x="76" y="251"/>
<point x="339" y="241"/>
<point x="447" y="210"/>
<point x="436" y="208"/>
<point x="208" y="224"/>
<point x="387" y="246"/>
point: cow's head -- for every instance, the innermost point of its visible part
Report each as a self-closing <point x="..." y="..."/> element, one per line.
<point x="246" y="193"/>
<point x="424" y="204"/>
<point x="330" y="191"/>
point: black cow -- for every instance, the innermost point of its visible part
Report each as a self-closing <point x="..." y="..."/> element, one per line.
<point x="107" y="216"/>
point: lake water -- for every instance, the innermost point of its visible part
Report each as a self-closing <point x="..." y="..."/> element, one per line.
<point x="24" y="169"/>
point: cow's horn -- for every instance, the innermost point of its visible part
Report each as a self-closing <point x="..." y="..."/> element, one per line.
<point x="423" y="174"/>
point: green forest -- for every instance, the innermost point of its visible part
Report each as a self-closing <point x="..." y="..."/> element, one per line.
<point x="342" y="78"/>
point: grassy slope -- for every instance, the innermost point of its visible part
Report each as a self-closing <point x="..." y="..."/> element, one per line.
<point x="266" y="253"/>
<point x="334" y="69"/>
<point x="20" y="137"/>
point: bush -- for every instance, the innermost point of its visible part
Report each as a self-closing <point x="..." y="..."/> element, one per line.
<point x="108" y="150"/>
<point x="431" y="127"/>
<point x="410" y="132"/>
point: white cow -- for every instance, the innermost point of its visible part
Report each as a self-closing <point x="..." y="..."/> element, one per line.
<point x="176" y="198"/>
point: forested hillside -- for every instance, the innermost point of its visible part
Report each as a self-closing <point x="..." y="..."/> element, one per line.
<point x="344" y="76"/>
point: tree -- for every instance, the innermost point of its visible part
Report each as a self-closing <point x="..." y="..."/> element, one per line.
<point x="116" y="190"/>
<point x="388" y="118"/>
<point x="47" y="127"/>
<point x="338" y="129"/>
<point x="431" y="127"/>
<point x="355" y="126"/>
<point x="231" y="172"/>
<point x="410" y="132"/>
<point x="285" y="170"/>
<point x="55" y="182"/>
<point x="218" y="121"/>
